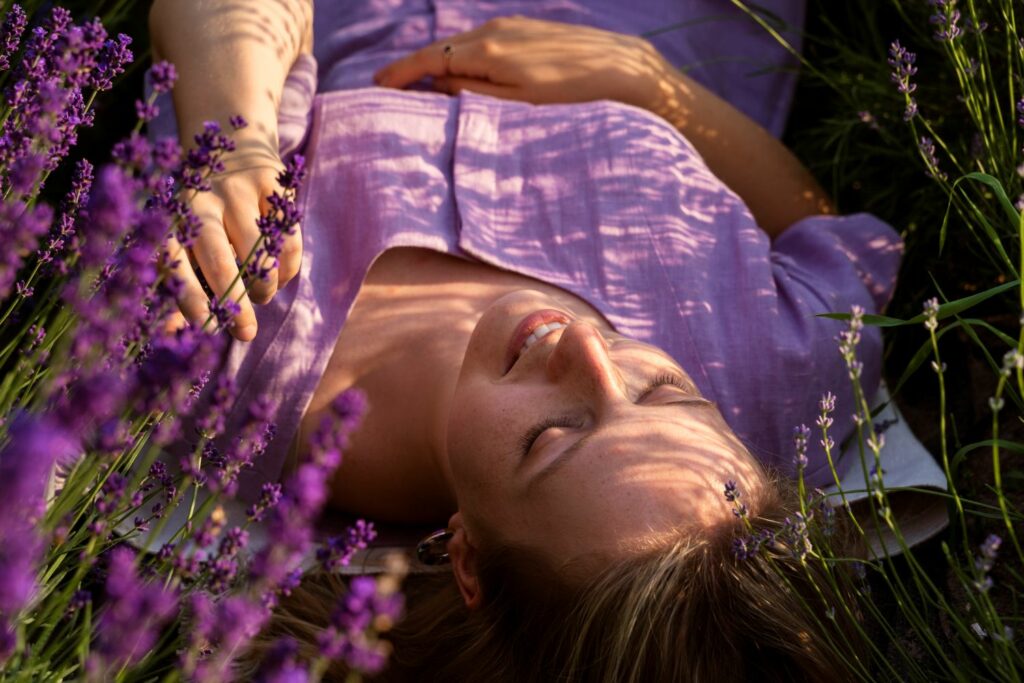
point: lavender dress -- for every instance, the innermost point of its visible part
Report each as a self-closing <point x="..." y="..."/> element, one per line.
<point x="605" y="200"/>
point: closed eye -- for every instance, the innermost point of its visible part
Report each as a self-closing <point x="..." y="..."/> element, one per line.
<point x="530" y="437"/>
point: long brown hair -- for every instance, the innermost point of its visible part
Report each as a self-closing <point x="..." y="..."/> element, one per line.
<point x="686" y="610"/>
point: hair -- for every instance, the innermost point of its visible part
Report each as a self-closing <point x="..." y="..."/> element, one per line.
<point x="686" y="610"/>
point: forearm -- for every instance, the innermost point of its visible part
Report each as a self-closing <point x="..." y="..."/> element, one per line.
<point x="776" y="187"/>
<point x="232" y="58"/>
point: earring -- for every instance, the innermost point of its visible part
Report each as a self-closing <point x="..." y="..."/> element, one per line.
<point x="433" y="549"/>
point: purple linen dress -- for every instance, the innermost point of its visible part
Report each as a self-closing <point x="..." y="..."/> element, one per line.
<point x="603" y="199"/>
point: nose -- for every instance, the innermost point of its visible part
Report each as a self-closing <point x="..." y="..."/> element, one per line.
<point x="581" y="361"/>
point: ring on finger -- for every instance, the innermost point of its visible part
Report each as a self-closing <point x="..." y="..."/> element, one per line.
<point x="446" y="56"/>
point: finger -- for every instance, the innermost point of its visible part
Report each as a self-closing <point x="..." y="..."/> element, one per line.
<point x="291" y="257"/>
<point x="192" y="300"/>
<point x="468" y="58"/>
<point x="241" y="211"/>
<point x="453" y="85"/>
<point x="173" y="322"/>
<point x="216" y="259"/>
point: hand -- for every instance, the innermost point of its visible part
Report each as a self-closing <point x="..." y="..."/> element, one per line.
<point x="538" y="61"/>
<point x="228" y="214"/>
<point x="232" y="58"/>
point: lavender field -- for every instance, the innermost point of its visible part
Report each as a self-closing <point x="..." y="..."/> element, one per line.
<point x="910" y="110"/>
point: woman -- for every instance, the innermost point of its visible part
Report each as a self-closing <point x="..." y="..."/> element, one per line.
<point x="573" y="322"/>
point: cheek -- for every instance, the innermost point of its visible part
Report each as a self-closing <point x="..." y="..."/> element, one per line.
<point x="478" y="438"/>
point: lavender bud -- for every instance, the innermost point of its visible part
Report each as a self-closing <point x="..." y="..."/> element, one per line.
<point x="162" y="76"/>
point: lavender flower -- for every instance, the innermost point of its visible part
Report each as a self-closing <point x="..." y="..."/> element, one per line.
<point x="746" y="547"/>
<point x="1012" y="360"/>
<point x="10" y="34"/>
<point x="796" y="534"/>
<point x="24" y="172"/>
<point x="927" y="148"/>
<point x="212" y="423"/>
<point x="289" y="524"/>
<point x="270" y="495"/>
<point x="63" y="234"/>
<point x="984" y="562"/>
<point x="800" y="436"/>
<point x="280" y="665"/>
<point x="337" y="551"/>
<point x="945" y="20"/>
<point x="826" y="406"/>
<point x="223" y="628"/>
<point x="732" y="494"/>
<point x="47" y="105"/>
<point x="133" y="615"/>
<point x="223" y="568"/>
<point x="931" y="314"/>
<point x="224" y="312"/>
<point x="331" y="436"/>
<point x="363" y="607"/>
<point x="79" y="600"/>
<point x="294" y="173"/>
<point x="868" y="118"/>
<point x="134" y="153"/>
<point x="20" y="229"/>
<point x="166" y="156"/>
<point x="162" y="76"/>
<point x="249" y="443"/>
<point x="279" y="222"/>
<point x="111" y="493"/>
<point x="825" y="513"/>
<point x="976" y="29"/>
<point x="146" y="111"/>
<point x="111" y="212"/>
<point x="848" y="341"/>
<point x="902" y="62"/>
<point x="171" y="363"/>
<point x="36" y="335"/>
<point x="34" y="446"/>
<point x="111" y="61"/>
<point x="205" y="157"/>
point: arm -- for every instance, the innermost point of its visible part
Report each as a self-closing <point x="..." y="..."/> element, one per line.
<point x="545" y="62"/>
<point x="776" y="187"/>
<point x="232" y="58"/>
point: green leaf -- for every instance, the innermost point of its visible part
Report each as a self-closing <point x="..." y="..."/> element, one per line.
<point x="1004" y="201"/>
<point x="961" y="454"/>
<point x="946" y="310"/>
<point x="1011" y="213"/>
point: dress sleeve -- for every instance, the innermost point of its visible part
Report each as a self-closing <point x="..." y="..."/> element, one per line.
<point x="843" y="254"/>
<point x="829" y="264"/>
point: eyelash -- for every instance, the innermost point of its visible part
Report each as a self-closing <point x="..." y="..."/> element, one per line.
<point x="527" y="440"/>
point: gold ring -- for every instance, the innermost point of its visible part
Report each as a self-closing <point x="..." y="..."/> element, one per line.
<point x="446" y="55"/>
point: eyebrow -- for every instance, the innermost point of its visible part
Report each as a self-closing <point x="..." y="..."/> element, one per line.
<point x="565" y="456"/>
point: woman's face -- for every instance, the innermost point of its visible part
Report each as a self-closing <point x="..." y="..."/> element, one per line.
<point x="630" y="456"/>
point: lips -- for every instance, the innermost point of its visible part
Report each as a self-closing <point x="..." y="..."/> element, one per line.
<point x="526" y="327"/>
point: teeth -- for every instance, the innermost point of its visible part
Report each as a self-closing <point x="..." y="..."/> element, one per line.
<point x="539" y="334"/>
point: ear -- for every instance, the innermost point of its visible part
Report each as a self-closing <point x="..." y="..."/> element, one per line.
<point x="463" y="555"/>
